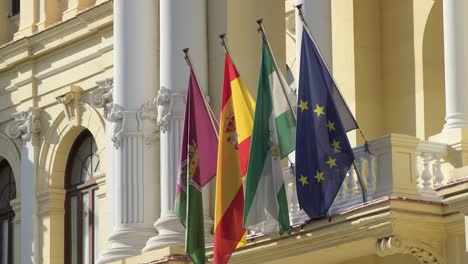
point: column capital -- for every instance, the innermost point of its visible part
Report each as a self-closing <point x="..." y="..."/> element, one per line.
<point x="26" y="126"/>
<point x="133" y="121"/>
<point x="167" y="101"/>
<point x="396" y="245"/>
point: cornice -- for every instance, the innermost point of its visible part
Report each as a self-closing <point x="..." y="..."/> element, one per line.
<point x="377" y="221"/>
<point x="56" y="36"/>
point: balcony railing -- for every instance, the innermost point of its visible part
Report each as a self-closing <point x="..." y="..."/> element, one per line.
<point x="395" y="166"/>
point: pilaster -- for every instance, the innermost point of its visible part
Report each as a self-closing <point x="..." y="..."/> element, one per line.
<point x="28" y="18"/>
<point x="102" y="98"/>
<point x="75" y="7"/>
<point x="25" y="129"/>
<point x="49" y="12"/>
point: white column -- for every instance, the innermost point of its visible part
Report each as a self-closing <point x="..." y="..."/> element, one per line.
<point x="133" y="117"/>
<point x="182" y="25"/>
<point x="456" y="63"/>
<point x="26" y="129"/>
<point x="317" y="13"/>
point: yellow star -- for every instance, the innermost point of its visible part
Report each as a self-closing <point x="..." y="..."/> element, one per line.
<point x="303" y="106"/>
<point x="331" y="126"/>
<point x="331" y="162"/>
<point x="336" y="145"/>
<point x="303" y="180"/>
<point x="319" y="176"/>
<point x="319" y="110"/>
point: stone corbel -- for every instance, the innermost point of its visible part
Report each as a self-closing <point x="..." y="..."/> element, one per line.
<point x="102" y="96"/>
<point x="71" y="103"/>
<point x="395" y="245"/>
<point x="26" y="126"/>
<point x="166" y="102"/>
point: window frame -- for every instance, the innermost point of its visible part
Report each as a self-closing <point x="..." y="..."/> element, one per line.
<point x="78" y="190"/>
<point x="8" y="214"/>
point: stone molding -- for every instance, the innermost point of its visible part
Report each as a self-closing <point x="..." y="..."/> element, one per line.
<point x="102" y="96"/>
<point x="71" y="103"/>
<point x="395" y="245"/>
<point x="165" y="101"/>
<point x="26" y="126"/>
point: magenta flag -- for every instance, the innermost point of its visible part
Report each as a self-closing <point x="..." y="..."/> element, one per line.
<point x="198" y="160"/>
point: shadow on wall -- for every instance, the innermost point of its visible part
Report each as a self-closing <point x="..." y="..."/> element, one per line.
<point x="433" y="71"/>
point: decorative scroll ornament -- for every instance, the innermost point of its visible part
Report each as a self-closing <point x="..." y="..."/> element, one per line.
<point x="102" y="96"/>
<point x="26" y="126"/>
<point x="148" y="112"/>
<point x="116" y="115"/>
<point x="166" y="102"/>
<point x="71" y="103"/>
<point x="394" y="245"/>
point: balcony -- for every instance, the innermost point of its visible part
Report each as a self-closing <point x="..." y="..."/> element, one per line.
<point x="396" y="167"/>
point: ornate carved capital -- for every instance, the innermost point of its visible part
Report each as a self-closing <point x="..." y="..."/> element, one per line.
<point x="120" y="117"/>
<point x="395" y="245"/>
<point x="166" y="101"/>
<point x="26" y="126"/>
<point x="102" y="96"/>
<point x="71" y="103"/>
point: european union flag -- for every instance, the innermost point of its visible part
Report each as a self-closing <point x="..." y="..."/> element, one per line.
<point x="323" y="152"/>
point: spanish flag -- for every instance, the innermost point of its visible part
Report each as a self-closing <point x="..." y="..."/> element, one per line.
<point x="235" y="131"/>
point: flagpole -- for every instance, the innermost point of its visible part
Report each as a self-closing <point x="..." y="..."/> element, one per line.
<point x="207" y="107"/>
<point x="275" y="65"/>
<point x="307" y="29"/>
<point x="226" y="48"/>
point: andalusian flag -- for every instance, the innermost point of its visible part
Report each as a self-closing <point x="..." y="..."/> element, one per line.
<point x="197" y="167"/>
<point x="266" y="206"/>
<point x="233" y="152"/>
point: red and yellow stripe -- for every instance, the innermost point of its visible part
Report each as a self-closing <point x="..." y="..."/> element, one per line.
<point x="232" y="163"/>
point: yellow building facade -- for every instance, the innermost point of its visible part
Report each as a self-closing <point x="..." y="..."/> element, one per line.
<point x="92" y="94"/>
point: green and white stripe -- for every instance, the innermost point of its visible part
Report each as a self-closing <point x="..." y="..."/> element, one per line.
<point x="282" y="109"/>
<point x="273" y="137"/>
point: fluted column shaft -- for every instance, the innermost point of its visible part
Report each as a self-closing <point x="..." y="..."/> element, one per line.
<point x="456" y="63"/>
<point x="183" y="25"/>
<point x="133" y="116"/>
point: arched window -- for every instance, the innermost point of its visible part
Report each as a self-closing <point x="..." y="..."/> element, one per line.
<point x="7" y="193"/>
<point x="82" y="222"/>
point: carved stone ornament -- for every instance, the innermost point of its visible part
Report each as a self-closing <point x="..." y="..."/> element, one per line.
<point x="395" y="245"/>
<point x="71" y="103"/>
<point x="118" y="115"/>
<point x="148" y="112"/>
<point x="166" y="101"/>
<point x="26" y="126"/>
<point x="102" y="96"/>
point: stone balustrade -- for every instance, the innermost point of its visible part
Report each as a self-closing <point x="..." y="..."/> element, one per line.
<point x="393" y="166"/>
